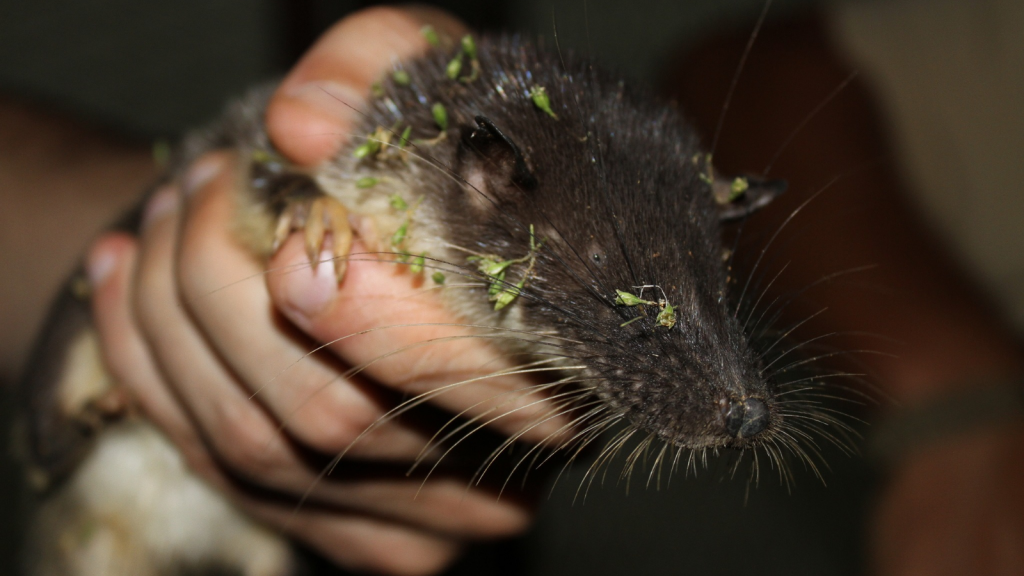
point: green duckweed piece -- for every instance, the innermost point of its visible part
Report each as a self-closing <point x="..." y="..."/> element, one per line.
<point x="738" y="187"/>
<point x="627" y="299"/>
<point x="469" y="46"/>
<point x="399" y="236"/>
<point x="366" y="149"/>
<point x="403" y="140"/>
<point x="508" y="294"/>
<point x="417" y="264"/>
<point x="401" y="77"/>
<point x="398" y="203"/>
<point x="453" y="68"/>
<point x="542" y="101"/>
<point x="492" y="267"/>
<point x="667" y="316"/>
<point x="497" y="284"/>
<point x="366" y="182"/>
<point x="440" y="115"/>
<point x="260" y="156"/>
<point x="430" y="35"/>
<point x="377" y="90"/>
<point x="437" y="277"/>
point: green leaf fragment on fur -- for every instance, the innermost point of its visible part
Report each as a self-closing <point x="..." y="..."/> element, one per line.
<point x="399" y="236"/>
<point x="437" y="277"/>
<point x="440" y="115"/>
<point x="737" y="188"/>
<point x="497" y="283"/>
<point x="398" y="203"/>
<point x="667" y="316"/>
<point x="366" y="149"/>
<point x="401" y="77"/>
<point x="627" y="299"/>
<point x="430" y="35"/>
<point x="492" y="267"/>
<point x="260" y="156"/>
<point x="417" y="264"/>
<point x="377" y="90"/>
<point x="366" y="182"/>
<point x="469" y="46"/>
<point x="542" y="101"/>
<point x="403" y="141"/>
<point x="453" y="68"/>
<point x="508" y="294"/>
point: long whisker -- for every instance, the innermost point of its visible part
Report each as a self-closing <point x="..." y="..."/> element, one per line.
<point x="736" y="75"/>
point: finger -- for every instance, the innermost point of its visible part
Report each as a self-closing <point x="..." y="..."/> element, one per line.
<point x="315" y="106"/>
<point x="393" y="326"/>
<point x="359" y="543"/>
<point x="239" y="323"/>
<point x="238" y="431"/>
<point x="444" y="506"/>
<point x="111" y="266"/>
<point x="222" y="287"/>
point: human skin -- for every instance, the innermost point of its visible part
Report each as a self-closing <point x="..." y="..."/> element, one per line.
<point x="949" y="509"/>
<point x="203" y="367"/>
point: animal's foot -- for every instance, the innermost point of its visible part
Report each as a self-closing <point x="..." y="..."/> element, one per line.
<point x="318" y="217"/>
<point x="297" y="202"/>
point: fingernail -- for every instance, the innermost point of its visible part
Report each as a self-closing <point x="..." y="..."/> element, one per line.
<point x="333" y="100"/>
<point x="204" y="170"/>
<point x="99" y="265"/>
<point x="308" y="294"/>
<point x="162" y="203"/>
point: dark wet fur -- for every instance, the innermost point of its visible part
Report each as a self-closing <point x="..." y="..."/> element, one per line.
<point x="613" y="189"/>
<point x="619" y="202"/>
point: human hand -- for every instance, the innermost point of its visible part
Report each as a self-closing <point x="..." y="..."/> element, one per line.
<point x="212" y="355"/>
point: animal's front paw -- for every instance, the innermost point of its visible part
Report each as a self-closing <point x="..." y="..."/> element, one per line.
<point x="297" y="202"/>
<point x="317" y="217"/>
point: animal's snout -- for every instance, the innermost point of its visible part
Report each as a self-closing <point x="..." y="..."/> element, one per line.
<point x="746" y="418"/>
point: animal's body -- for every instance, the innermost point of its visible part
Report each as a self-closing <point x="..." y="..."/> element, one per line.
<point x="584" y="214"/>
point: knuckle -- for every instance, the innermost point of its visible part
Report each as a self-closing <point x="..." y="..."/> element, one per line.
<point x="329" y="427"/>
<point x="244" y="442"/>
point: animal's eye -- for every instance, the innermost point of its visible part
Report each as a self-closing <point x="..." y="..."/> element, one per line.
<point x="597" y="258"/>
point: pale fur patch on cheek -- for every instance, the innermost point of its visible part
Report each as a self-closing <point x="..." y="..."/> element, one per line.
<point x="477" y="193"/>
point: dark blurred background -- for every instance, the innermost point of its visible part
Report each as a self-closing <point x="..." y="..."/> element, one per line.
<point x="149" y="70"/>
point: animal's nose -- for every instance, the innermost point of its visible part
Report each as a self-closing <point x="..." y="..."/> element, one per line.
<point x="746" y="418"/>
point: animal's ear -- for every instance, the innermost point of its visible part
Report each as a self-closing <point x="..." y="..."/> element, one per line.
<point x="499" y="152"/>
<point x="741" y="197"/>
